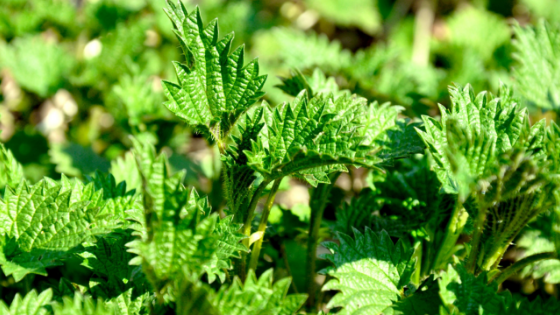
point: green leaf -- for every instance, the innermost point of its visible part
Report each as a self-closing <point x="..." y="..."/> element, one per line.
<point x="357" y="214"/>
<point x="361" y="13"/>
<point x="401" y="141"/>
<point x="81" y="305"/>
<point x="258" y="296"/>
<point x="124" y="169"/>
<point x="295" y="49"/>
<point x="229" y="246"/>
<point x="369" y="270"/>
<point x="538" y="72"/>
<point x="38" y="66"/>
<point x="11" y="172"/>
<point x="538" y="306"/>
<point x="44" y="223"/>
<point x="214" y="87"/>
<point x="129" y="303"/>
<point x="178" y="232"/>
<point x="471" y="134"/>
<point x="536" y="242"/>
<point x="308" y="134"/>
<point x="316" y="84"/>
<point x="469" y="294"/>
<point x="424" y="301"/>
<point x="239" y="177"/>
<point x="74" y="160"/>
<point x="109" y="259"/>
<point x="409" y="201"/>
<point x="136" y="101"/>
<point x="520" y="188"/>
<point x="488" y="31"/>
<point x="31" y="304"/>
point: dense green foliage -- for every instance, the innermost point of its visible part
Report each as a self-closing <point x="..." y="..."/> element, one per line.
<point x="219" y="184"/>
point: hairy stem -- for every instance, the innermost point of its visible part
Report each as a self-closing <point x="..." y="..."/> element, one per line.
<point x="251" y="210"/>
<point x="508" y="232"/>
<point x="520" y="264"/>
<point x="262" y="225"/>
<point x="477" y="237"/>
<point x="491" y="261"/>
<point x="241" y="265"/>
<point x="319" y="199"/>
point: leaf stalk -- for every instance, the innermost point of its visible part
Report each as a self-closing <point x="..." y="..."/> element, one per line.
<point x="477" y="237"/>
<point x="520" y="264"/>
<point x="319" y="199"/>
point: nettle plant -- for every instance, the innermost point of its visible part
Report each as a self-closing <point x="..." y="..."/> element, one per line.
<point x="426" y="237"/>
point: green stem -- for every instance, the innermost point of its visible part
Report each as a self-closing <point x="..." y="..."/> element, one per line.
<point x="454" y="229"/>
<point x="491" y="261"/>
<point x="251" y="210"/>
<point x="318" y="203"/>
<point x="423" y="32"/>
<point x="241" y="266"/>
<point x="520" y="264"/>
<point x="287" y="265"/>
<point x="416" y="276"/>
<point x="262" y="225"/>
<point x="477" y="237"/>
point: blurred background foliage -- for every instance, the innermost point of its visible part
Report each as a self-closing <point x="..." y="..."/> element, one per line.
<point x="78" y="77"/>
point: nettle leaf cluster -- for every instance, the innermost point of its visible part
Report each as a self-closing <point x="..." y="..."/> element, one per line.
<point x="446" y="199"/>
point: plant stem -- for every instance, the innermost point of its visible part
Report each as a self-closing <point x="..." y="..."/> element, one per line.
<point x="454" y="229"/>
<point x="241" y="266"/>
<point x="416" y="276"/>
<point x="251" y="210"/>
<point x="262" y="225"/>
<point x="287" y="265"/>
<point x="520" y="264"/>
<point x="477" y="237"/>
<point x="422" y="33"/>
<point x="491" y="261"/>
<point x="318" y="203"/>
